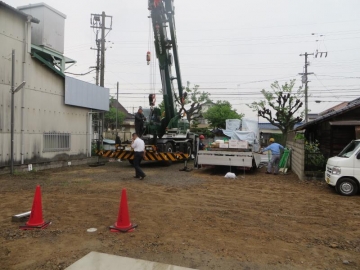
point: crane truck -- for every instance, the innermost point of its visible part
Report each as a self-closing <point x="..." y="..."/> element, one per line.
<point x="167" y="138"/>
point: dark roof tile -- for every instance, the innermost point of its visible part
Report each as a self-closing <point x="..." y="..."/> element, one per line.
<point x="350" y="106"/>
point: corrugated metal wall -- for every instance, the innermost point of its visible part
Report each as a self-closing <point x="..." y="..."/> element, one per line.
<point x="83" y="94"/>
<point x="44" y="103"/>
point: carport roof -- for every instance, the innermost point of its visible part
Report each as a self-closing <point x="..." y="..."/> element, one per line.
<point x="350" y="106"/>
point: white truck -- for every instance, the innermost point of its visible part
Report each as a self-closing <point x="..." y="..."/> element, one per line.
<point x="343" y="170"/>
<point x="241" y="150"/>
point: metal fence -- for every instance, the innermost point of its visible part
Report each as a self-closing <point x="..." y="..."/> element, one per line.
<point x="54" y="142"/>
<point x="124" y="135"/>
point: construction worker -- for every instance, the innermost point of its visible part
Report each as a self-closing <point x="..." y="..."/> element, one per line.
<point x="139" y="153"/>
<point x="201" y="143"/>
<point x="275" y="149"/>
<point x="139" y="122"/>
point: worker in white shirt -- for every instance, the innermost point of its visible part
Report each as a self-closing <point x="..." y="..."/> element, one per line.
<point x="139" y="153"/>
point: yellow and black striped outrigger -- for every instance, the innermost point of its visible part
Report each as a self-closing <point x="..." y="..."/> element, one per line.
<point x="150" y="155"/>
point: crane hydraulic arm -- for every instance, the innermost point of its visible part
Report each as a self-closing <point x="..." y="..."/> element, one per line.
<point x="162" y="16"/>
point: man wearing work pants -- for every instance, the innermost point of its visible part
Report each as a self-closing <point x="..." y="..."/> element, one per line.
<point x="275" y="149"/>
<point x="139" y="153"/>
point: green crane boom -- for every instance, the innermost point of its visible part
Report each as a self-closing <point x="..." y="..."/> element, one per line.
<point x="162" y="16"/>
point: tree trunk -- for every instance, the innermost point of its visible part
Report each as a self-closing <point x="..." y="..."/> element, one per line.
<point x="284" y="140"/>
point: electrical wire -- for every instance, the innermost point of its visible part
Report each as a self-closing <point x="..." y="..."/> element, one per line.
<point x="81" y="73"/>
<point x="344" y="77"/>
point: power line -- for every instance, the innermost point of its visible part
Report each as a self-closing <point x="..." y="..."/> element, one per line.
<point x="243" y="93"/>
<point x="340" y="76"/>
<point x="81" y="73"/>
<point x="244" y="28"/>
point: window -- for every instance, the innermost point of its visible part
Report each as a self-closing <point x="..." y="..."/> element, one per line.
<point x="54" y="142"/>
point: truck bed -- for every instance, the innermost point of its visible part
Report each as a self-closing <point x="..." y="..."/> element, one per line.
<point x="229" y="157"/>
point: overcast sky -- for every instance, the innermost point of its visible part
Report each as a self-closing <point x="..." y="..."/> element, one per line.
<point x="231" y="48"/>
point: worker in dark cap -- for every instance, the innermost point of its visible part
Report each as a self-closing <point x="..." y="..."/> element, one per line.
<point x="139" y="121"/>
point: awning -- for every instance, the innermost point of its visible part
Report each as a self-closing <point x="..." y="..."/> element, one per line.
<point x="46" y="63"/>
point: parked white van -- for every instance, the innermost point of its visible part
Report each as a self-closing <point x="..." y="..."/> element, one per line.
<point x="343" y="171"/>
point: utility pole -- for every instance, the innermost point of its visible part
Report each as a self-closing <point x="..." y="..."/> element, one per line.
<point x="321" y="54"/>
<point x="305" y="81"/>
<point x="117" y="98"/>
<point x="102" y="49"/>
<point x="98" y="21"/>
<point x="97" y="67"/>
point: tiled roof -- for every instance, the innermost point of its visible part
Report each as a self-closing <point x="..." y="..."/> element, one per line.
<point x="335" y="108"/>
<point x="267" y="126"/>
<point x="116" y="104"/>
<point x="272" y="127"/>
<point x="350" y="106"/>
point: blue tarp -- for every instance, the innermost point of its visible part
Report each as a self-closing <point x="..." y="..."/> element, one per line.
<point x="249" y="133"/>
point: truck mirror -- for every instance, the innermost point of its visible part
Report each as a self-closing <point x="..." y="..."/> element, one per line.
<point x="358" y="156"/>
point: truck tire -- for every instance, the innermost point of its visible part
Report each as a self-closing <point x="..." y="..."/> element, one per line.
<point x="169" y="147"/>
<point x="346" y="187"/>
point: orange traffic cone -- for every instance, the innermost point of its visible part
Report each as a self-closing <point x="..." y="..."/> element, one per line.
<point x="123" y="222"/>
<point x="36" y="220"/>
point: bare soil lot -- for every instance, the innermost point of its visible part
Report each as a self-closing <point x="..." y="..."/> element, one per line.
<point x="196" y="219"/>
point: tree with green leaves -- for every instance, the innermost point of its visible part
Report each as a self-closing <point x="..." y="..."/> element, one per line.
<point x="220" y="112"/>
<point x="281" y="106"/>
<point x="193" y="97"/>
<point x="110" y="117"/>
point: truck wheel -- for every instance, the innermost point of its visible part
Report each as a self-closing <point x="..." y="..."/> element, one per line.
<point x="169" y="147"/>
<point x="347" y="187"/>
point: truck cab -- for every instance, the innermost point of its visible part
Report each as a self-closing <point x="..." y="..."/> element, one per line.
<point x="343" y="170"/>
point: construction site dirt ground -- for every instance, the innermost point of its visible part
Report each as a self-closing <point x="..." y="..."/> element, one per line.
<point x="196" y="219"/>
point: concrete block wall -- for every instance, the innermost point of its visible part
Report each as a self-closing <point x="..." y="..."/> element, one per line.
<point x="297" y="156"/>
<point x="50" y="165"/>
